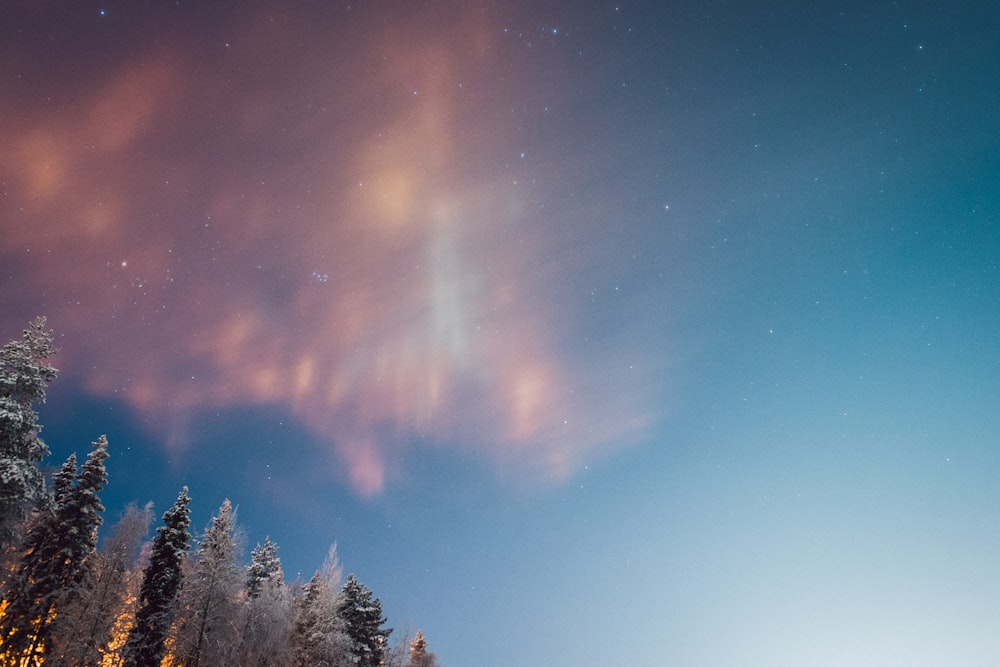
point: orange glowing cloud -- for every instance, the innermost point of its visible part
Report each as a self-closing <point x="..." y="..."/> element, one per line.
<point x="257" y="229"/>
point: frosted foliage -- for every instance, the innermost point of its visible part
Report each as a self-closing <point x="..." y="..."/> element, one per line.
<point x="210" y="599"/>
<point x="87" y="626"/>
<point x="320" y="636"/>
<point x="24" y="375"/>
<point x="362" y="614"/>
<point x="265" y="566"/>
<point x="267" y="627"/>
<point x="332" y="572"/>
<point x="55" y="566"/>
<point x="161" y="582"/>
<point x="419" y="655"/>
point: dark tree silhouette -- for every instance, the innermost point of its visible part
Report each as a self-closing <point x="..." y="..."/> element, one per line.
<point x="362" y="615"/>
<point x="161" y="583"/>
<point x="55" y="560"/>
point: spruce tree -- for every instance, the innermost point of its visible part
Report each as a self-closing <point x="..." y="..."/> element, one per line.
<point x="31" y="586"/>
<point x="81" y="514"/>
<point x="161" y="583"/>
<point x="362" y="615"/>
<point x="79" y="518"/>
<point x="208" y="634"/>
<point x="264" y="566"/>
<point x="320" y="636"/>
<point x="24" y="375"/>
<point x="419" y="655"/>
<point x="87" y="627"/>
<point x="267" y="611"/>
<point x="55" y="560"/>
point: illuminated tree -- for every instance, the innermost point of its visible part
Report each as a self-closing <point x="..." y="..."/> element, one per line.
<point x="265" y="567"/>
<point x="80" y="515"/>
<point x="362" y="615"/>
<point x="208" y="633"/>
<point x="320" y="636"/>
<point x="419" y="655"/>
<point x="87" y="628"/>
<point x="267" y="611"/>
<point x="31" y="587"/>
<point x="161" y="583"/>
<point x="55" y="561"/>
<point x="24" y="376"/>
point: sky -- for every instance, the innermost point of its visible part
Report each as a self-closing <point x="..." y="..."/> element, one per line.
<point x="648" y="333"/>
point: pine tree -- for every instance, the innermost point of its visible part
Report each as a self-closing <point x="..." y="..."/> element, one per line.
<point x="79" y="518"/>
<point x="265" y="566"/>
<point x="362" y="615"/>
<point x="267" y="612"/>
<point x="55" y="560"/>
<point x="162" y="580"/>
<point x="62" y="482"/>
<point x="320" y="636"/>
<point x="208" y="634"/>
<point x="81" y="514"/>
<point x="31" y="587"/>
<point x="24" y="376"/>
<point x="419" y="655"/>
<point x="87" y="627"/>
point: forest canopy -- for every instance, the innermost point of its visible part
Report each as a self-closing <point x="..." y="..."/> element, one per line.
<point x="177" y="600"/>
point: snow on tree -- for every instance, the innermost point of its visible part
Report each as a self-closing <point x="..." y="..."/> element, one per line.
<point x="55" y="561"/>
<point x="265" y="566"/>
<point x="161" y="583"/>
<point x="267" y="628"/>
<point x="208" y="634"/>
<point x="62" y="481"/>
<point x="331" y="571"/>
<point x="320" y="636"/>
<point x="419" y="655"/>
<point x="80" y="515"/>
<point x="267" y="612"/>
<point x="362" y="614"/>
<point x="24" y="376"/>
<point x="88" y="628"/>
<point x="31" y="587"/>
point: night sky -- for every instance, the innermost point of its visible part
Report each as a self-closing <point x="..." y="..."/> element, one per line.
<point x="594" y="333"/>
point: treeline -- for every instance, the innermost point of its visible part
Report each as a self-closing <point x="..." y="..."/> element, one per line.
<point x="174" y="601"/>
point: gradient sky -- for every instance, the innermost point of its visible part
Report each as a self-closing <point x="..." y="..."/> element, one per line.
<point x="639" y="333"/>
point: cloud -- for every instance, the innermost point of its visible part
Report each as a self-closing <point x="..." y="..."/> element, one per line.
<point x="280" y="218"/>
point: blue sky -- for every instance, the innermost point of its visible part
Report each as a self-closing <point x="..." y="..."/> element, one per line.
<point x="607" y="332"/>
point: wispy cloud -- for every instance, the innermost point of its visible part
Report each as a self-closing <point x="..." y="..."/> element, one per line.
<point x="350" y="234"/>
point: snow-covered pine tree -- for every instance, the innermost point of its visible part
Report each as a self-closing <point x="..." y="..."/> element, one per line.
<point x="210" y="600"/>
<point x="265" y="566"/>
<point x="81" y="514"/>
<point x="62" y="482"/>
<point x="362" y="614"/>
<point x="55" y="561"/>
<point x="419" y="655"/>
<point x="24" y="375"/>
<point x="30" y="583"/>
<point x="320" y="637"/>
<point x="161" y="583"/>
<point x="87" y="627"/>
<point x="79" y="518"/>
<point x="267" y="612"/>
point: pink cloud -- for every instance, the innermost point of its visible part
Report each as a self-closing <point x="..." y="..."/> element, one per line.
<point x="337" y="240"/>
